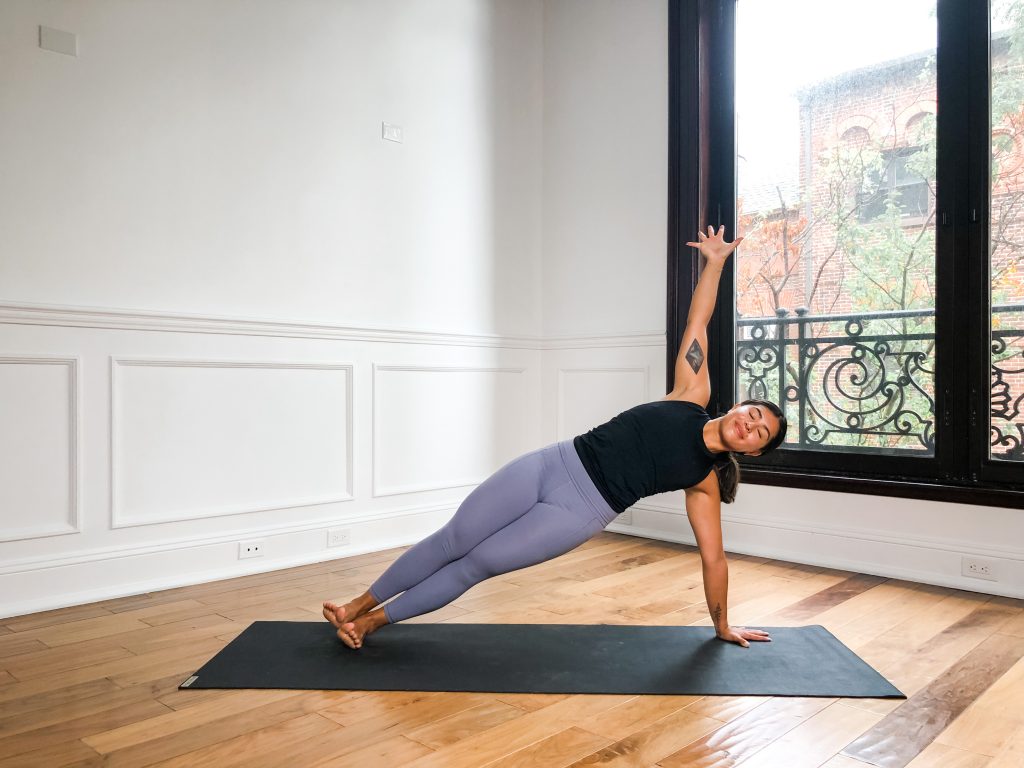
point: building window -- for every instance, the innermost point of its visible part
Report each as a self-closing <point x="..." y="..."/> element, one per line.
<point x="896" y="183"/>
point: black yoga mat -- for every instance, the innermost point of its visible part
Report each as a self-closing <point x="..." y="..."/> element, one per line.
<point x="542" y="658"/>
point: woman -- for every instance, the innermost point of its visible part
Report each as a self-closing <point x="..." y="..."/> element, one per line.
<point x="550" y="501"/>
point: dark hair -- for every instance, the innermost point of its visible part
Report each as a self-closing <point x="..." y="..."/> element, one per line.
<point x="728" y="469"/>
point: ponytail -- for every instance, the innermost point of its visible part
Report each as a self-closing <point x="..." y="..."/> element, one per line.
<point x="728" y="471"/>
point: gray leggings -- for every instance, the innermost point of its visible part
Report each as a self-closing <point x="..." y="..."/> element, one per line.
<point x="536" y="507"/>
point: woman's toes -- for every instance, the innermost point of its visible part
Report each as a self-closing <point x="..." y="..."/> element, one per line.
<point x="345" y="638"/>
<point x="331" y="613"/>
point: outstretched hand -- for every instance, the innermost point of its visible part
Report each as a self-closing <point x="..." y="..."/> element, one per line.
<point x="713" y="245"/>
<point x="741" y="635"/>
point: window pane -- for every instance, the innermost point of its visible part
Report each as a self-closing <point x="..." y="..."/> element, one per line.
<point x="835" y="166"/>
<point x="1006" y="417"/>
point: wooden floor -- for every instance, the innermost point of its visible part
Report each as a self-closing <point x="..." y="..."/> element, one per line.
<point x="97" y="684"/>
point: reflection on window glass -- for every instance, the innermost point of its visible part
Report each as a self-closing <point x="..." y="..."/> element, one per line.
<point x="835" y="280"/>
<point x="1006" y="238"/>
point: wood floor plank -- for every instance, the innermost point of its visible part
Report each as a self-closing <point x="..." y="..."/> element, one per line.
<point x="654" y="742"/>
<point x="815" y="740"/>
<point x="207" y="725"/>
<point x="111" y="669"/>
<point x="57" y="698"/>
<point x="1014" y="626"/>
<point x="15" y="645"/>
<point x="906" y="731"/>
<point x="48" y="661"/>
<point x="866" y="627"/>
<point x="567" y="747"/>
<point x="992" y="718"/>
<point x="865" y="604"/>
<point x="27" y="721"/>
<point x="531" y="702"/>
<point x="503" y="740"/>
<point x="833" y="595"/>
<point x="384" y="717"/>
<point x="744" y="736"/>
<point x="55" y="755"/>
<point x="163" y="636"/>
<point x="176" y="721"/>
<point x="79" y="630"/>
<point x="1012" y="753"/>
<point x="903" y="662"/>
<point x="272" y="745"/>
<point x="937" y="755"/>
<point x="636" y="713"/>
<point x="842" y="761"/>
<point x="45" y="619"/>
<point x="76" y="727"/>
<point x="388" y="750"/>
<point x="726" y="708"/>
<point x="455" y="727"/>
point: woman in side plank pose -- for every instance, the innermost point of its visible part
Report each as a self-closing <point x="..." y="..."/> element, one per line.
<point x="548" y="502"/>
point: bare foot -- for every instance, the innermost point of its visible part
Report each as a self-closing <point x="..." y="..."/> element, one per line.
<point x="337" y="614"/>
<point x="353" y="632"/>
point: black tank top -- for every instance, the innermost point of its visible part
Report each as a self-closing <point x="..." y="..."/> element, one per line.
<point x="651" y="448"/>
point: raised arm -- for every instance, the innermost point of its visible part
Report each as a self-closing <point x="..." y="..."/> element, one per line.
<point x="692" y="381"/>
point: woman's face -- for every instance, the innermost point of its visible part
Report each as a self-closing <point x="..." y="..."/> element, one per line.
<point x="748" y="428"/>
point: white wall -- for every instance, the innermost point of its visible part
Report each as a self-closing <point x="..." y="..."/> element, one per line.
<point x="230" y="311"/>
<point x="605" y="166"/>
<point x="225" y="157"/>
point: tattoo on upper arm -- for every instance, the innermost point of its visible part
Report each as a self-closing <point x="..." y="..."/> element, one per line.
<point x="695" y="356"/>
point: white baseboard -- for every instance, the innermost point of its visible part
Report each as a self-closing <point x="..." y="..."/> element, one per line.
<point x="768" y="540"/>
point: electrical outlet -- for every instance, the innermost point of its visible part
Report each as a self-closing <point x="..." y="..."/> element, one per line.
<point x="337" y="537"/>
<point x="978" y="568"/>
<point x="250" y="549"/>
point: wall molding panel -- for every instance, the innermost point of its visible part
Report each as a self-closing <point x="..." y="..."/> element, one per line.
<point x="25" y="494"/>
<point x="122" y="513"/>
<point x="431" y="423"/>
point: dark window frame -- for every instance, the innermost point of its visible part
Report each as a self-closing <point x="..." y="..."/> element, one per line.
<point x="702" y="192"/>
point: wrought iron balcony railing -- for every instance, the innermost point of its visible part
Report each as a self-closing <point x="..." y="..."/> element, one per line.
<point x="865" y="381"/>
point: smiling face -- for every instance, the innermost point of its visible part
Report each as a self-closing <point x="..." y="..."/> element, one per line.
<point x="748" y="428"/>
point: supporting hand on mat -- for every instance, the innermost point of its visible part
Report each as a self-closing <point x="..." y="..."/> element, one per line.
<point x="742" y="634"/>
<point x="714" y="247"/>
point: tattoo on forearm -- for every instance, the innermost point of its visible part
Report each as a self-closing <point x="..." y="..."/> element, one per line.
<point x="716" y="615"/>
<point x="695" y="356"/>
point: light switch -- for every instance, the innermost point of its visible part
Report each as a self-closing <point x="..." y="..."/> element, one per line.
<point x="393" y="132"/>
<point x="55" y="40"/>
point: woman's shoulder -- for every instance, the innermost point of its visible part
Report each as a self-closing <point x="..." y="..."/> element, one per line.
<point x="689" y="398"/>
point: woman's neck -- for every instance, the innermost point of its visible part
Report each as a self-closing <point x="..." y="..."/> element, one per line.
<point x="713" y="436"/>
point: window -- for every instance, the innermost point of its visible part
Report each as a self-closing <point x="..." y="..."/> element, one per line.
<point x="878" y="296"/>
<point x="897" y="184"/>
